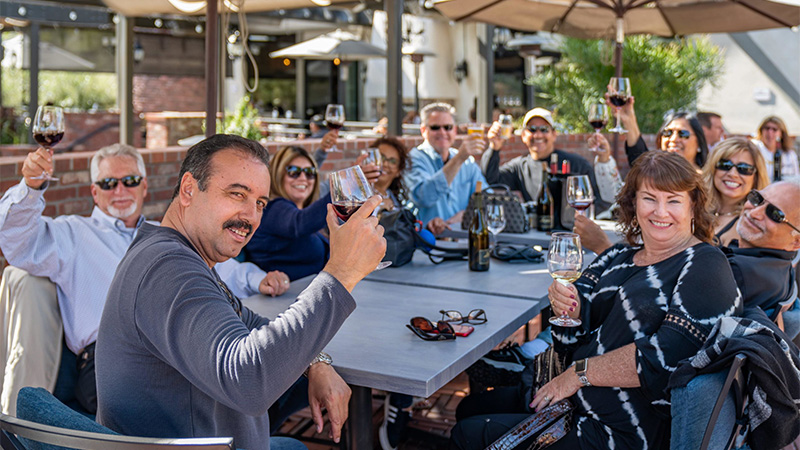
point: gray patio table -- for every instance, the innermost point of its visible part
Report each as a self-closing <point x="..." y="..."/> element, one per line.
<point x="374" y="349"/>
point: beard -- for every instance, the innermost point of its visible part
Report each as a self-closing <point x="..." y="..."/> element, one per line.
<point x="113" y="211"/>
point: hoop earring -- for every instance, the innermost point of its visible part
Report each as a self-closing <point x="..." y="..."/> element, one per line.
<point x="635" y="225"/>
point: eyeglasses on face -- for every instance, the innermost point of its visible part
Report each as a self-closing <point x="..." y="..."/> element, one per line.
<point x="390" y="161"/>
<point x="425" y="329"/>
<point x="475" y="317"/>
<point x="447" y="127"/>
<point x="542" y="129"/>
<point x="294" y="172"/>
<point x="742" y="168"/>
<point x="773" y="212"/>
<point x="108" y="184"/>
<point x="683" y="134"/>
<point x="768" y="128"/>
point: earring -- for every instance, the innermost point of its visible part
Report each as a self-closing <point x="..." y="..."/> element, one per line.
<point x="692" y="225"/>
<point x="635" y="225"/>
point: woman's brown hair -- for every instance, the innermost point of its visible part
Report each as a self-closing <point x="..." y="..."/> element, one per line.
<point x="277" y="171"/>
<point x="668" y="172"/>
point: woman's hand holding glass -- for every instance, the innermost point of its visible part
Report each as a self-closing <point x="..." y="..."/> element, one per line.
<point x="564" y="299"/>
<point x="600" y="146"/>
<point x="565" y="263"/>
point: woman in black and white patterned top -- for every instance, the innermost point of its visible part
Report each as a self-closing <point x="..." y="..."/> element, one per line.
<point x="645" y="306"/>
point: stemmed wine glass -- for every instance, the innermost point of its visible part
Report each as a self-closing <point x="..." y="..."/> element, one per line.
<point x="334" y="118"/>
<point x="565" y="263"/>
<point x="495" y="219"/>
<point x="349" y="190"/>
<point x="375" y="157"/>
<point x="48" y="130"/>
<point x="598" y="117"/>
<point x="579" y="193"/>
<point x="619" y="90"/>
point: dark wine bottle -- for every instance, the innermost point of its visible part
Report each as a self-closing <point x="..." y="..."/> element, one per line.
<point x="777" y="166"/>
<point x="544" y="205"/>
<point x="478" y="235"/>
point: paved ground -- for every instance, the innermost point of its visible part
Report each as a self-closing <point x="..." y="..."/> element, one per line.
<point x="430" y="424"/>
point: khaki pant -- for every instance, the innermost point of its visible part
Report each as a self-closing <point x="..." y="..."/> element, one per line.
<point x="30" y="341"/>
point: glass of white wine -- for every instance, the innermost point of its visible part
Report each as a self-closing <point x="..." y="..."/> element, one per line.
<point x="565" y="263"/>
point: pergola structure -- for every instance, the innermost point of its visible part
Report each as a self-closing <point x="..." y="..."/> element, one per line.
<point x="85" y="13"/>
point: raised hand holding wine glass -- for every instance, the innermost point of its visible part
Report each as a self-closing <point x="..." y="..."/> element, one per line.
<point x="619" y="90"/>
<point x="48" y="130"/>
<point x="334" y="119"/>
<point x="598" y="117"/>
<point x="565" y="263"/>
<point x="349" y="190"/>
<point x="579" y="193"/>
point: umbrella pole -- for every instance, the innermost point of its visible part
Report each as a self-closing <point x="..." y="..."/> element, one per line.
<point x="212" y="66"/>
<point x="416" y="82"/>
<point x="618" y="47"/>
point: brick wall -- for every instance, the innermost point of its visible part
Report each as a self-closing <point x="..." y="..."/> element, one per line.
<point x="168" y="93"/>
<point x="71" y="195"/>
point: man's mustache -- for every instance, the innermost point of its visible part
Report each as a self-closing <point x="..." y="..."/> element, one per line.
<point x="238" y="224"/>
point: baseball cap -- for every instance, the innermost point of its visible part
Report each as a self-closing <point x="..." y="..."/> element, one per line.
<point x="318" y="119"/>
<point x="539" y="112"/>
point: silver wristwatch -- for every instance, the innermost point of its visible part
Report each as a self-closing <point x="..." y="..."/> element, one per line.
<point x="321" y="358"/>
<point x="580" y="369"/>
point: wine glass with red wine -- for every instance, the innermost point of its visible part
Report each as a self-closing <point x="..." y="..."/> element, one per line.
<point x="349" y="190"/>
<point x="579" y="193"/>
<point x="598" y="116"/>
<point x="334" y="118"/>
<point x="619" y="90"/>
<point x="48" y="130"/>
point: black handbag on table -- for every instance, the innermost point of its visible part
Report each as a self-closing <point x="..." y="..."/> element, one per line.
<point x="402" y="232"/>
<point x="516" y="219"/>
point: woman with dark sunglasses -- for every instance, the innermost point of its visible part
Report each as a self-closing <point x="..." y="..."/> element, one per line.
<point x="735" y="168"/>
<point x="775" y="146"/>
<point x="680" y="133"/>
<point x="289" y="237"/>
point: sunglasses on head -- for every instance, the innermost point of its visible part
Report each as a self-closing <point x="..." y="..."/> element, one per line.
<point x="475" y="317"/>
<point x="541" y="129"/>
<point x="447" y="127"/>
<point x="425" y="329"/>
<point x="683" y="134"/>
<point x="130" y="181"/>
<point x="773" y="212"/>
<point x="294" y="172"/>
<point x="742" y="168"/>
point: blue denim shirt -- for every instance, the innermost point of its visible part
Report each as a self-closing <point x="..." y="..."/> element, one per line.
<point x="429" y="188"/>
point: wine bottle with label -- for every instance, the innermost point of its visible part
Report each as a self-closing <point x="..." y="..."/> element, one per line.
<point x="544" y="205"/>
<point x="478" y="235"/>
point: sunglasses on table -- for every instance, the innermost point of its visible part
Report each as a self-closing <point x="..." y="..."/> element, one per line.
<point x="773" y="212"/>
<point x="447" y="127"/>
<point x="683" y="134"/>
<point x="541" y="129"/>
<point x="424" y="329"/>
<point x="130" y="181"/>
<point x="294" y="172"/>
<point x="475" y="317"/>
<point x="742" y="168"/>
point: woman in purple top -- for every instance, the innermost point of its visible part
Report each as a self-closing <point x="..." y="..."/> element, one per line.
<point x="289" y="237"/>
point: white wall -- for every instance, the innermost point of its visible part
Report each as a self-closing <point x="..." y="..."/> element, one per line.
<point x="742" y="78"/>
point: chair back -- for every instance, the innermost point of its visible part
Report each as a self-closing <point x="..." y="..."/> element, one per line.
<point x="52" y="425"/>
<point x="735" y="383"/>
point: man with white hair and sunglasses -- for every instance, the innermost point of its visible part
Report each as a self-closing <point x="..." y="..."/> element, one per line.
<point x="79" y="255"/>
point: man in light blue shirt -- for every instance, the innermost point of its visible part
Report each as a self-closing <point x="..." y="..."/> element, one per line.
<point x="442" y="178"/>
<point x="80" y="255"/>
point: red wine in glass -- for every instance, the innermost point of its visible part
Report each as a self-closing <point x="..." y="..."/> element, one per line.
<point x="581" y="205"/>
<point x="345" y="209"/>
<point x="334" y="119"/>
<point x="47" y="139"/>
<point x="598" y="124"/>
<point x="334" y="125"/>
<point x="618" y="100"/>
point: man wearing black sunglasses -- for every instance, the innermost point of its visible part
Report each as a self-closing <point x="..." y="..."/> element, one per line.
<point x="79" y="255"/>
<point x="442" y="178"/>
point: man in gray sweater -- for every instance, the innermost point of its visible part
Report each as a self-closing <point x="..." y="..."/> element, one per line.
<point x="177" y="354"/>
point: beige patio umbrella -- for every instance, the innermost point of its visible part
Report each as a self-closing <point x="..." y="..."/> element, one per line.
<point x="598" y="19"/>
<point x="334" y="45"/>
